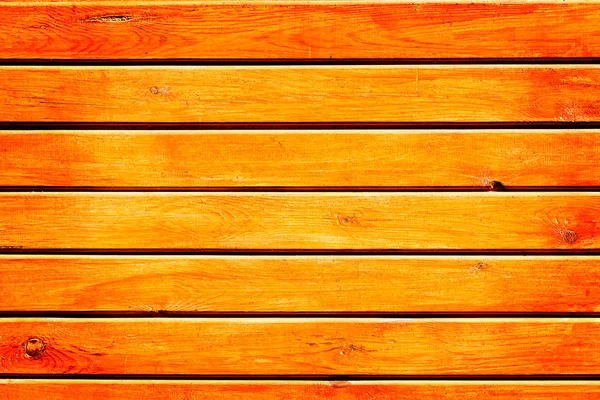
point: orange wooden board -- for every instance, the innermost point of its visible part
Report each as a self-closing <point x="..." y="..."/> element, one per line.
<point x="313" y="93"/>
<point x="317" y="284"/>
<point x="17" y="389"/>
<point x="232" y="251"/>
<point x="257" y="29"/>
<point x="330" y="221"/>
<point x="320" y="158"/>
<point x="305" y="347"/>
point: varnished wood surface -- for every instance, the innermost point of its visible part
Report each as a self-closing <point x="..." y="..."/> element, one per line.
<point x="254" y="94"/>
<point x="228" y="297"/>
<point x="333" y="221"/>
<point x="319" y="158"/>
<point x="317" y="284"/>
<point x="306" y="346"/>
<point x="24" y="389"/>
<point x="256" y="29"/>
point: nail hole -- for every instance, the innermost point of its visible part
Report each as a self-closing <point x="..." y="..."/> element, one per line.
<point x="496" y="186"/>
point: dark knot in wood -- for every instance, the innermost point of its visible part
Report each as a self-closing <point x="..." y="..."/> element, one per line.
<point x="34" y="347"/>
<point x="570" y="236"/>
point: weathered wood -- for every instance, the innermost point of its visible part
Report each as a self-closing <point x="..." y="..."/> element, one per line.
<point x="254" y="94"/>
<point x="332" y="221"/>
<point x="258" y="29"/>
<point x="305" y="346"/>
<point x="299" y="284"/>
<point x="63" y="389"/>
<point x="362" y="158"/>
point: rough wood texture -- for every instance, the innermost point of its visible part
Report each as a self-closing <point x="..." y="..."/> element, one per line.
<point x="309" y="390"/>
<point x="259" y="29"/>
<point x="193" y="220"/>
<point x="307" y="346"/>
<point x="299" y="284"/>
<point x="256" y="94"/>
<point x="217" y="159"/>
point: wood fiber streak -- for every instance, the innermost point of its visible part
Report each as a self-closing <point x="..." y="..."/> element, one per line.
<point x="296" y="30"/>
<point x="300" y="94"/>
<point x="306" y="346"/>
<point x="362" y="158"/>
<point x="317" y="284"/>
<point x="333" y="221"/>
<point x="287" y="390"/>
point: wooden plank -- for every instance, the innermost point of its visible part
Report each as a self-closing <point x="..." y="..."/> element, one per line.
<point x="260" y="284"/>
<point x="305" y="346"/>
<point x="260" y="29"/>
<point x="332" y="221"/>
<point x="322" y="158"/>
<point x="25" y="389"/>
<point x="254" y="94"/>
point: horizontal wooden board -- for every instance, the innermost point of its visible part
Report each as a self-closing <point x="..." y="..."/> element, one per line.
<point x="254" y="94"/>
<point x="305" y="346"/>
<point x="283" y="29"/>
<point x="321" y="158"/>
<point x="318" y="284"/>
<point x="332" y="221"/>
<point x="25" y="389"/>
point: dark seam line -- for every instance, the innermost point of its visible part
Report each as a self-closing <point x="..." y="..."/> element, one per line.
<point x="7" y="250"/>
<point x="290" y="315"/>
<point x="53" y="125"/>
<point x="301" y="189"/>
<point x="238" y="377"/>
<point x="298" y="252"/>
<point x="295" y="61"/>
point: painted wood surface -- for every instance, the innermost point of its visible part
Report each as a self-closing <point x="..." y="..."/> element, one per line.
<point x="290" y="284"/>
<point x="257" y="29"/>
<point x="63" y="389"/>
<point x="301" y="94"/>
<point x="301" y="158"/>
<point x="305" y="347"/>
<point x="297" y="221"/>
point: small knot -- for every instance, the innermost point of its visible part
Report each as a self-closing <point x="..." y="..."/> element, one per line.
<point x="348" y="349"/>
<point x="569" y="236"/>
<point x="478" y="267"/>
<point x="34" y="347"/>
<point x="154" y="90"/>
<point x="347" y="219"/>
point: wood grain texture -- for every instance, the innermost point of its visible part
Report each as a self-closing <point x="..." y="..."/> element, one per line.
<point x="283" y="29"/>
<point x="254" y="94"/>
<point x="63" y="389"/>
<point x="321" y="158"/>
<point x="306" y="346"/>
<point x="334" y="221"/>
<point x="237" y="284"/>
